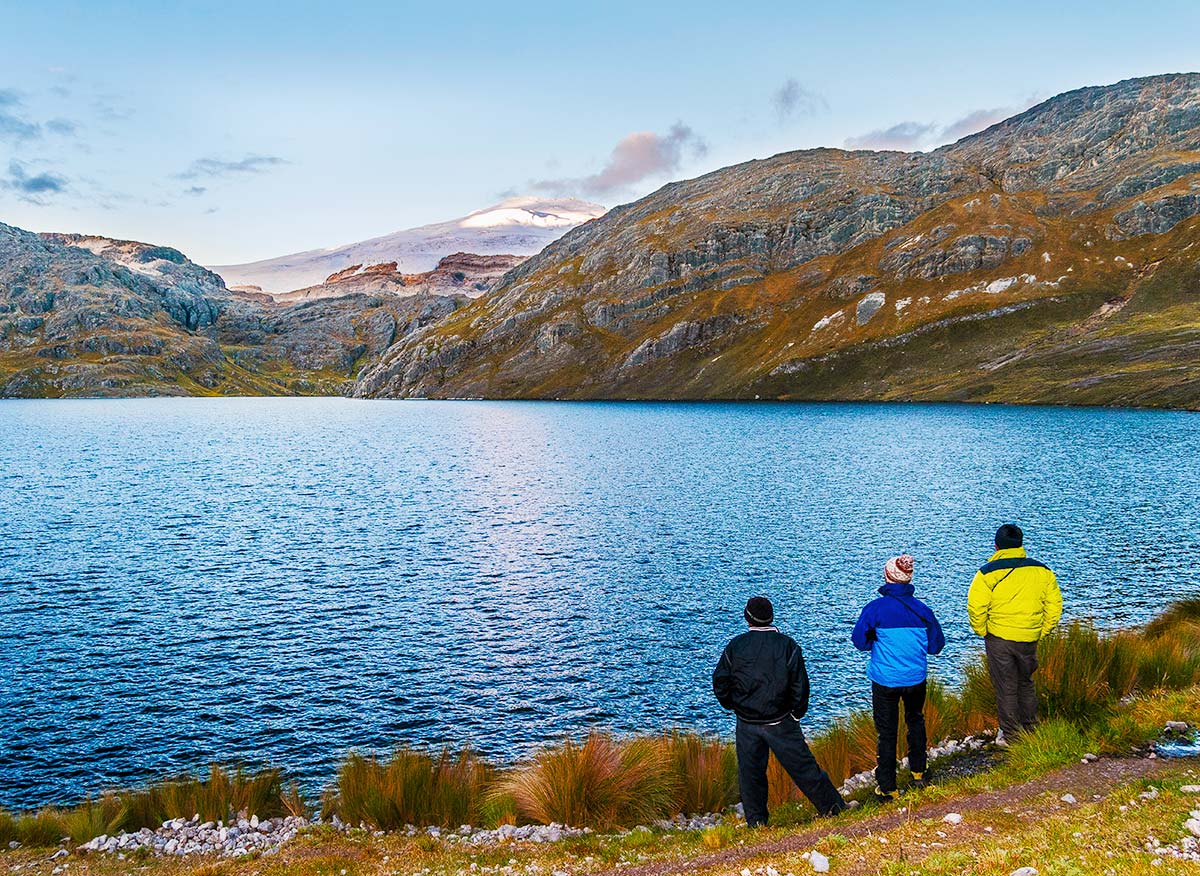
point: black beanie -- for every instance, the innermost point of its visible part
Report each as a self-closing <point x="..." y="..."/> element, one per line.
<point x="759" y="612"/>
<point x="1009" y="536"/>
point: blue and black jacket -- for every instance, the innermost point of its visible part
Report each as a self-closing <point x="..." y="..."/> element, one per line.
<point x="900" y="631"/>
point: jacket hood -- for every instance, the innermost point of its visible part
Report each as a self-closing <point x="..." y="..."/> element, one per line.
<point x="893" y="589"/>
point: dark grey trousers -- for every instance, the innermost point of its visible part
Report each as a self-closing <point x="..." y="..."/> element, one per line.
<point x="1011" y="666"/>
<point x="755" y="742"/>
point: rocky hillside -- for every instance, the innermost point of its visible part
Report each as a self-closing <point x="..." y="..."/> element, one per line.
<point x="461" y="273"/>
<point x="89" y="316"/>
<point x="517" y="225"/>
<point x="1050" y="258"/>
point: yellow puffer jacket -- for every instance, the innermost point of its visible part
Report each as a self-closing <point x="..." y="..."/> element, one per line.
<point x="1020" y="603"/>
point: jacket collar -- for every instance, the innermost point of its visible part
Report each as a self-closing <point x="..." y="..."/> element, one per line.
<point x="764" y="629"/>
<point x="1008" y="554"/>
<point x="891" y="588"/>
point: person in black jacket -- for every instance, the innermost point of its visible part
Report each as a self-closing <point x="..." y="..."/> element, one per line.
<point x="761" y="677"/>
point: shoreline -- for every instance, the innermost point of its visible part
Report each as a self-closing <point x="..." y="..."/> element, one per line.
<point x="698" y="402"/>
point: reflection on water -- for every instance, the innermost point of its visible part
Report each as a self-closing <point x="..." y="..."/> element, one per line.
<point x="256" y="580"/>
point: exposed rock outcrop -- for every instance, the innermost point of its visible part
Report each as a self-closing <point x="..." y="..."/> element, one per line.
<point x="787" y="277"/>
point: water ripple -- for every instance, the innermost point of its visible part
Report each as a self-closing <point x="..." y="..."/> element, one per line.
<point x="278" y="580"/>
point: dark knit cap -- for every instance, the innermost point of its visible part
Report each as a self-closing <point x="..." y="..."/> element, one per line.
<point x="759" y="612"/>
<point x="1009" y="536"/>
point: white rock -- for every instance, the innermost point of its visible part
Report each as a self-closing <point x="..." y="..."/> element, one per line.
<point x="1090" y="758"/>
<point x="1177" y="725"/>
<point x="818" y="862"/>
<point x="952" y="818"/>
<point x="1193" y="824"/>
<point x="1068" y="798"/>
<point x="1190" y="789"/>
<point x="1025" y="871"/>
<point x="61" y="853"/>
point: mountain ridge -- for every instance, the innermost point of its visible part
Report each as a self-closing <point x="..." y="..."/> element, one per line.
<point x="746" y="282"/>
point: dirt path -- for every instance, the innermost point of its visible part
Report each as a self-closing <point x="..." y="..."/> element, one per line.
<point x="1082" y="780"/>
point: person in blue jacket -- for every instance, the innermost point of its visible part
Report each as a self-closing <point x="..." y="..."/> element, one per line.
<point x="899" y="631"/>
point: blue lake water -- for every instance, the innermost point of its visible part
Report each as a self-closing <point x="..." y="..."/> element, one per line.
<point x="278" y="580"/>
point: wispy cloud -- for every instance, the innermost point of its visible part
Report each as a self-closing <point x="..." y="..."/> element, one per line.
<point x="13" y="125"/>
<point x="912" y="135"/>
<point x="62" y="127"/>
<point x="33" y="188"/>
<point x="974" y="122"/>
<point x="792" y="100"/>
<point x="215" y="168"/>
<point x="636" y="157"/>
<point x="195" y="191"/>
<point x="904" y="136"/>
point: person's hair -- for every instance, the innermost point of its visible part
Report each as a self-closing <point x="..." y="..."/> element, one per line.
<point x="1009" y="536"/>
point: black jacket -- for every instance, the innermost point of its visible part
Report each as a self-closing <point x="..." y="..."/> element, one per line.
<point x="762" y="678"/>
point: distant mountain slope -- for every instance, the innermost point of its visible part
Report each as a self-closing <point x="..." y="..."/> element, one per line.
<point x="90" y="316"/>
<point x="520" y="226"/>
<point x="1049" y="258"/>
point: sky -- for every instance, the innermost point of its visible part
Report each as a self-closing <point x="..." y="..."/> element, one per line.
<point x="239" y="131"/>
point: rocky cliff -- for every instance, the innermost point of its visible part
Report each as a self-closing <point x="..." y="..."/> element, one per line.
<point x="461" y="273"/>
<point x="90" y="316"/>
<point x="1049" y="258"/>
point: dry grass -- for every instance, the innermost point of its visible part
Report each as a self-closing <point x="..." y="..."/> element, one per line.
<point x="602" y="782"/>
<point x="411" y="787"/>
<point x="704" y="772"/>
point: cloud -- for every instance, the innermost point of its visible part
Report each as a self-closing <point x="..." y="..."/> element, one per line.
<point x="195" y="191"/>
<point x="211" y="168"/>
<point x="13" y="126"/>
<point x="974" y="122"/>
<point x="904" y="136"/>
<point x="62" y="127"/>
<point x="636" y="157"/>
<point x="33" y="188"/>
<point x="792" y="99"/>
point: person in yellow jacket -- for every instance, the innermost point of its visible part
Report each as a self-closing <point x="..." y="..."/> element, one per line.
<point x="1013" y="602"/>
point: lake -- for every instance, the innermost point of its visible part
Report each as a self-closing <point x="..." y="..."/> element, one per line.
<point x="277" y="580"/>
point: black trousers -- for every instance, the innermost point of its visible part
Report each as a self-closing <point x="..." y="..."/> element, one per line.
<point x="1011" y="666"/>
<point x="885" y="703"/>
<point x="755" y="742"/>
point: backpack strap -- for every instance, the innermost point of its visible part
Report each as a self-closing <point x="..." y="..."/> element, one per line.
<point x="1011" y="564"/>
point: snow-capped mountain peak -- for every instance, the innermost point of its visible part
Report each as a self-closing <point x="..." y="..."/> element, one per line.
<point x="516" y="226"/>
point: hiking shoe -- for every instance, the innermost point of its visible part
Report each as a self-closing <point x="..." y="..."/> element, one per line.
<point x="884" y="796"/>
<point x="921" y="780"/>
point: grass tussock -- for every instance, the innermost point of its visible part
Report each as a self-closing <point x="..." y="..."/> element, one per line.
<point x="704" y="773"/>
<point x="411" y="787"/>
<point x="600" y="782"/>
<point x="219" y="796"/>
